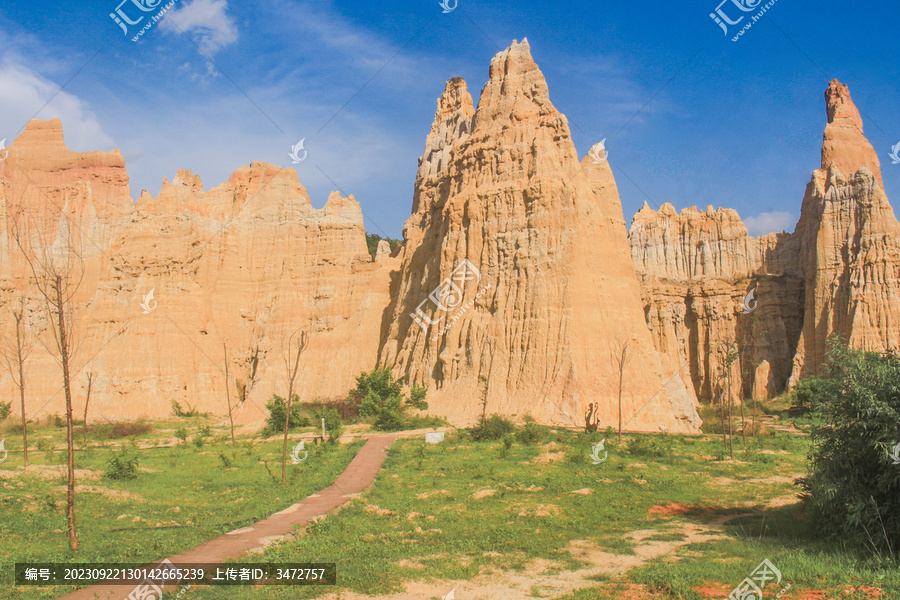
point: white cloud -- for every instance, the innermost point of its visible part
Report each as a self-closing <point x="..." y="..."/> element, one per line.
<point x="770" y="222"/>
<point x="206" y="22"/>
<point x="24" y="94"/>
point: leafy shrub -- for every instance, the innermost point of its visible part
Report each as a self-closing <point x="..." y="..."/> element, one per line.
<point x="531" y="434"/>
<point x="851" y="485"/>
<point x="333" y="426"/>
<point x="387" y="411"/>
<point x="507" y="441"/>
<point x="492" y="428"/>
<point x="5" y="410"/>
<point x="56" y="420"/>
<point x="115" y="430"/>
<point x="122" y="466"/>
<point x="417" y="398"/>
<point x="380" y="395"/>
<point x="644" y="445"/>
<point x="182" y="434"/>
<point x="277" y="407"/>
<point x="809" y="395"/>
<point x="182" y="413"/>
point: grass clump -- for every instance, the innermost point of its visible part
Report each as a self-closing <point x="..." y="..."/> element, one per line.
<point x="494" y="427"/>
<point x="122" y="466"/>
<point x="116" y="430"/>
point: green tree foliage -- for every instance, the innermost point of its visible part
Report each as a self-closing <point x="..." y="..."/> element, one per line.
<point x="333" y="426"/>
<point x="381" y="396"/>
<point x="277" y="408"/>
<point x="852" y="487"/>
<point x="372" y="240"/>
<point x="494" y="427"/>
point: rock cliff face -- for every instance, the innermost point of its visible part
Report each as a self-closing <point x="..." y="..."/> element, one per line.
<point x="241" y="266"/>
<point x="836" y="274"/>
<point x="517" y="283"/>
<point x="515" y="276"/>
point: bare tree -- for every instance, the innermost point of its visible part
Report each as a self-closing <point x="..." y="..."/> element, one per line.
<point x="730" y="353"/>
<point x="87" y="402"/>
<point x="14" y="358"/>
<point x="292" y="366"/>
<point x="228" y="395"/>
<point x="621" y="357"/>
<point x="57" y="270"/>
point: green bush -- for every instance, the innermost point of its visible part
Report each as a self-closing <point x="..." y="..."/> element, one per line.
<point x="387" y="411"/>
<point x="5" y="410"/>
<point x="333" y="426"/>
<point x="115" y="430"/>
<point x="531" y="434"/>
<point x="182" y="434"/>
<point x="122" y="466"/>
<point x="190" y="412"/>
<point x="852" y="487"/>
<point x="811" y="394"/>
<point x="492" y="428"/>
<point x="644" y="445"/>
<point x="380" y="395"/>
<point x="277" y="407"/>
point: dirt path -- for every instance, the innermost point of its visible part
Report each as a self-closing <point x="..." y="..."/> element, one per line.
<point x="358" y="475"/>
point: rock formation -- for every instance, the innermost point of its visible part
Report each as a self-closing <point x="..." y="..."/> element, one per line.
<point x="835" y="274"/>
<point x="515" y="279"/>
<point x="849" y="245"/>
<point x="241" y="266"/>
<point x="518" y="283"/>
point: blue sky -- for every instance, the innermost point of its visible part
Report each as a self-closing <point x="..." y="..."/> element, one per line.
<point x="689" y="116"/>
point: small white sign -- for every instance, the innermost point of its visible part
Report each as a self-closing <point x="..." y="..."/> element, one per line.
<point x="434" y="438"/>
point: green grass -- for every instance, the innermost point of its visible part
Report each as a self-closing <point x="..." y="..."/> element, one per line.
<point x="430" y="516"/>
<point x="183" y="496"/>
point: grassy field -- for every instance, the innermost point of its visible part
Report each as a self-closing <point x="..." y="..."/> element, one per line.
<point x="660" y="517"/>
<point x="183" y="495"/>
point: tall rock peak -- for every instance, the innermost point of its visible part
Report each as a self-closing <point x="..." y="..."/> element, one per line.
<point x="844" y="144"/>
<point x="452" y="122"/>
<point x="516" y="269"/>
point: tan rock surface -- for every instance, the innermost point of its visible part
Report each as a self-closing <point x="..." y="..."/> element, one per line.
<point x="247" y="263"/>
<point x="837" y="273"/>
<point x="554" y="288"/>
